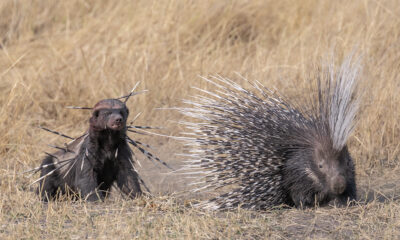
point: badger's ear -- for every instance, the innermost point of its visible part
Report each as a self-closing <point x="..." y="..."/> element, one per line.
<point x="93" y="118"/>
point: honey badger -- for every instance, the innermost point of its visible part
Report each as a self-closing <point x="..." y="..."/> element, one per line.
<point x="89" y="165"/>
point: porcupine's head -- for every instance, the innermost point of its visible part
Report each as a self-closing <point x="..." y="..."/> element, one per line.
<point x="109" y="114"/>
<point x="331" y="166"/>
<point x="331" y="172"/>
<point x="318" y="175"/>
<point x="322" y="169"/>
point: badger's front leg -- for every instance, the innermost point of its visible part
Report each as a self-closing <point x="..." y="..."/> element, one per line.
<point x="127" y="177"/>
<point x="87" y="184"/>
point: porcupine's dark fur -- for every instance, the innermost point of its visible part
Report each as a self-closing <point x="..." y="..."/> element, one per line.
<point x="272" y="151"/>
<point x="89" y="165"/>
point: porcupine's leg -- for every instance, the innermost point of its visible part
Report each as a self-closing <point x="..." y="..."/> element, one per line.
<point x="127" y="177"/>
<point x="302" y="199"/>
<point x="349" y="195"/>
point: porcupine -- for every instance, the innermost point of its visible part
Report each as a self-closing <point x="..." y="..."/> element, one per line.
<point x="272" y="151"/>
<point x="90" y="164"/>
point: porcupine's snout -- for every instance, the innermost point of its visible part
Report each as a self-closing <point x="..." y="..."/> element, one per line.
<point x="338" y="184"/>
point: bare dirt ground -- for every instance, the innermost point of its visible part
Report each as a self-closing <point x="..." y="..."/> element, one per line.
<point x="59" y="53"/>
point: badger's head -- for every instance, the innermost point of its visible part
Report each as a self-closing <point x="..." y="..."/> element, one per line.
<point x="109" y="114"/>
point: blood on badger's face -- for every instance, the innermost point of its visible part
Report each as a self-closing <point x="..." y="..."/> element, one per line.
<point x="109" y="114"/>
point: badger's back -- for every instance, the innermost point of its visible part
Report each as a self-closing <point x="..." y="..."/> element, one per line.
<point x="59" y="168"/>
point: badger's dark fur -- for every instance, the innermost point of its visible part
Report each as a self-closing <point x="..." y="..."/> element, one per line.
<point x="270" y="150"/>
<point x="90" y="164"/>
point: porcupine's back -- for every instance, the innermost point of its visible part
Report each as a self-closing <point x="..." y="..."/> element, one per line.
<point x="247" y="139"/>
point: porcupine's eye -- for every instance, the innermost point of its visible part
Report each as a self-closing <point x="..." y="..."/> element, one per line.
<point x="96" y="114"/>
<point x="320" y="163"/>
<point x="348" y="162"/>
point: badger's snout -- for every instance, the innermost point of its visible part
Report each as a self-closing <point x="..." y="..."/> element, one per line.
<point x="116" y="122"/>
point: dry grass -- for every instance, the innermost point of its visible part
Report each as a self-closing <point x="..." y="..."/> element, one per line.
<point x="59" y="53"/>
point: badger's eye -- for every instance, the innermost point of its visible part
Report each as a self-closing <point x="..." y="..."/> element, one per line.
<point x="96" y="113"/>
<point x="320" y="165"/>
